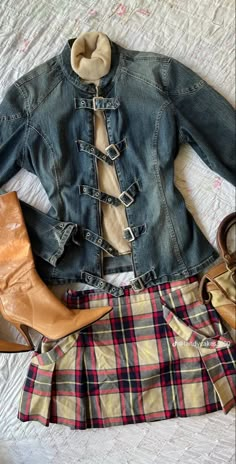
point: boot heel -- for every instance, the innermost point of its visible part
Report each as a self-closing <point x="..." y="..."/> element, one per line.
<point x="24" y="331"/>
<point x="8" y="347"/>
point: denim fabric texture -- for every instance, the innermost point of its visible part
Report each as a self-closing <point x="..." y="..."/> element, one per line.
<point x="152" y="104"/>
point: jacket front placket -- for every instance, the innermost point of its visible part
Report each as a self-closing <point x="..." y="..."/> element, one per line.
<point x="104" y="155"/>
<point x="125" y="198"/>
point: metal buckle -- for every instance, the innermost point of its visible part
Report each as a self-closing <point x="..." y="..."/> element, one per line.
<point x="113" y="148"/>
<point x="128" y="229"/>
<point x="139" y="281"/>
<point x="94" y="103"/>
<point x="129" y="196"/>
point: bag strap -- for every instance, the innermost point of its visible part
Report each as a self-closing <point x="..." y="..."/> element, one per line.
<point x="229" y="262"/>
<point x="225" y="225"/>
<point x="211" y="274"/>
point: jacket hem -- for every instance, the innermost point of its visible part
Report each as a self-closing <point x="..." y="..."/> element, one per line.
<point x="52" y="280"/>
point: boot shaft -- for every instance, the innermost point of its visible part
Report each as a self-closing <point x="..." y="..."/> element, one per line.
<point x="15" y="251"/>
<point x="25" y="300"/>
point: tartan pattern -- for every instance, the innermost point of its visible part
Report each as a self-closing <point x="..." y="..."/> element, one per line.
<point x="159" y="354"/>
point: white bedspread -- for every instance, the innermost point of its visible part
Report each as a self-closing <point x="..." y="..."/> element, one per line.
<point x="200" y="33"/>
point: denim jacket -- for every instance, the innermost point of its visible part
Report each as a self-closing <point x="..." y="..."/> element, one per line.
<point x="152" y="104"/>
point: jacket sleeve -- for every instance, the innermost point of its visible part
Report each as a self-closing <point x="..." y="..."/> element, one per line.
<point x="48" y="235"/>
<point x="13" y="119"/>
<point x="205" y="119"/>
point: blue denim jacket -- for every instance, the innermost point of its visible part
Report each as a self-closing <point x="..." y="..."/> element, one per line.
<point x="152" y="104"/>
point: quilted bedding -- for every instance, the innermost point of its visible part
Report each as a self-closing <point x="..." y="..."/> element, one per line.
<point x="201" y="35"/>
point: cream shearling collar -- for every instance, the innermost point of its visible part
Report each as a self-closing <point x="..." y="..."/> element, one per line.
<point x="91" y="55"/>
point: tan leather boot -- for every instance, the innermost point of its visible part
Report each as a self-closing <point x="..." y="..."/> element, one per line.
<point x="25" y="301"/>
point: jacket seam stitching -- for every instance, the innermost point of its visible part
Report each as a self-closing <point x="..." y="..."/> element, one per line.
<point x="151" y="84"/>
<point x="189" y="90"/>
<point x="172" y="235"/>
<point x="186" y="90"/>
<point x="164" y="73"/>
<point x="11" y="118"/>
<point x="182" y="137"/>
<point x="167" y="74"/>
<point x="34" y="74"/>
<point x="24" y="95"/>
<point x="46" y="96"/>
<point x="52" y="152"/>
<point x="162" y="58"/>
<point x="25" y="139"/>
<point x="157" y="122"/>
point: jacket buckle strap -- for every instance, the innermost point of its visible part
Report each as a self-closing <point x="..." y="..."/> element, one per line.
<point x="131" y="233"/>
<point x="92" y="150"/>
<point x="97" y="103"/>
<point x="112" y="151"/>
<point x="126" y="199"/>
<point x="99" y="241"/>
<point x="137" y="284"/>
<point x="127" y="196"/>
<point x="99" y="195"/>
<point x="100" y="283"/>
<point x="95" y="106"/>
<point x="101" y="103"/>
<point x="128" y="234"/>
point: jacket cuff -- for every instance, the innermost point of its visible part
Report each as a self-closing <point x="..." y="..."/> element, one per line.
<point x="48" y="236"/>
<point x="59" y="243"/>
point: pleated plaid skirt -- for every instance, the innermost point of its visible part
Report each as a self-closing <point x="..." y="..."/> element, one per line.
<point x="158" y="354"/>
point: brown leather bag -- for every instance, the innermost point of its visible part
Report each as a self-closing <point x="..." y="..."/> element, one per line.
<point x="218" y="285"/>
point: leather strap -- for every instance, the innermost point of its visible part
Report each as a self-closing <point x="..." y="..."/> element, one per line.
<point x="100" y="283"/>
<point x="98" y="195"/>
<point x="215" y="271"/>
<point x="209" y="283"/>
<point x="99" y="241"/>
<point x="126" y="197"/>
<point x="113" y="150"/>
<point x="92" y="150"/>
<point x="221" y="238"/>
<point x="131" y="233"/>
<point x="139" y="283"/>
<point x="97" y="103"/>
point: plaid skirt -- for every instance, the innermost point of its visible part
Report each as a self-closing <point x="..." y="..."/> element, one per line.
<point x="159" y="354"/>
